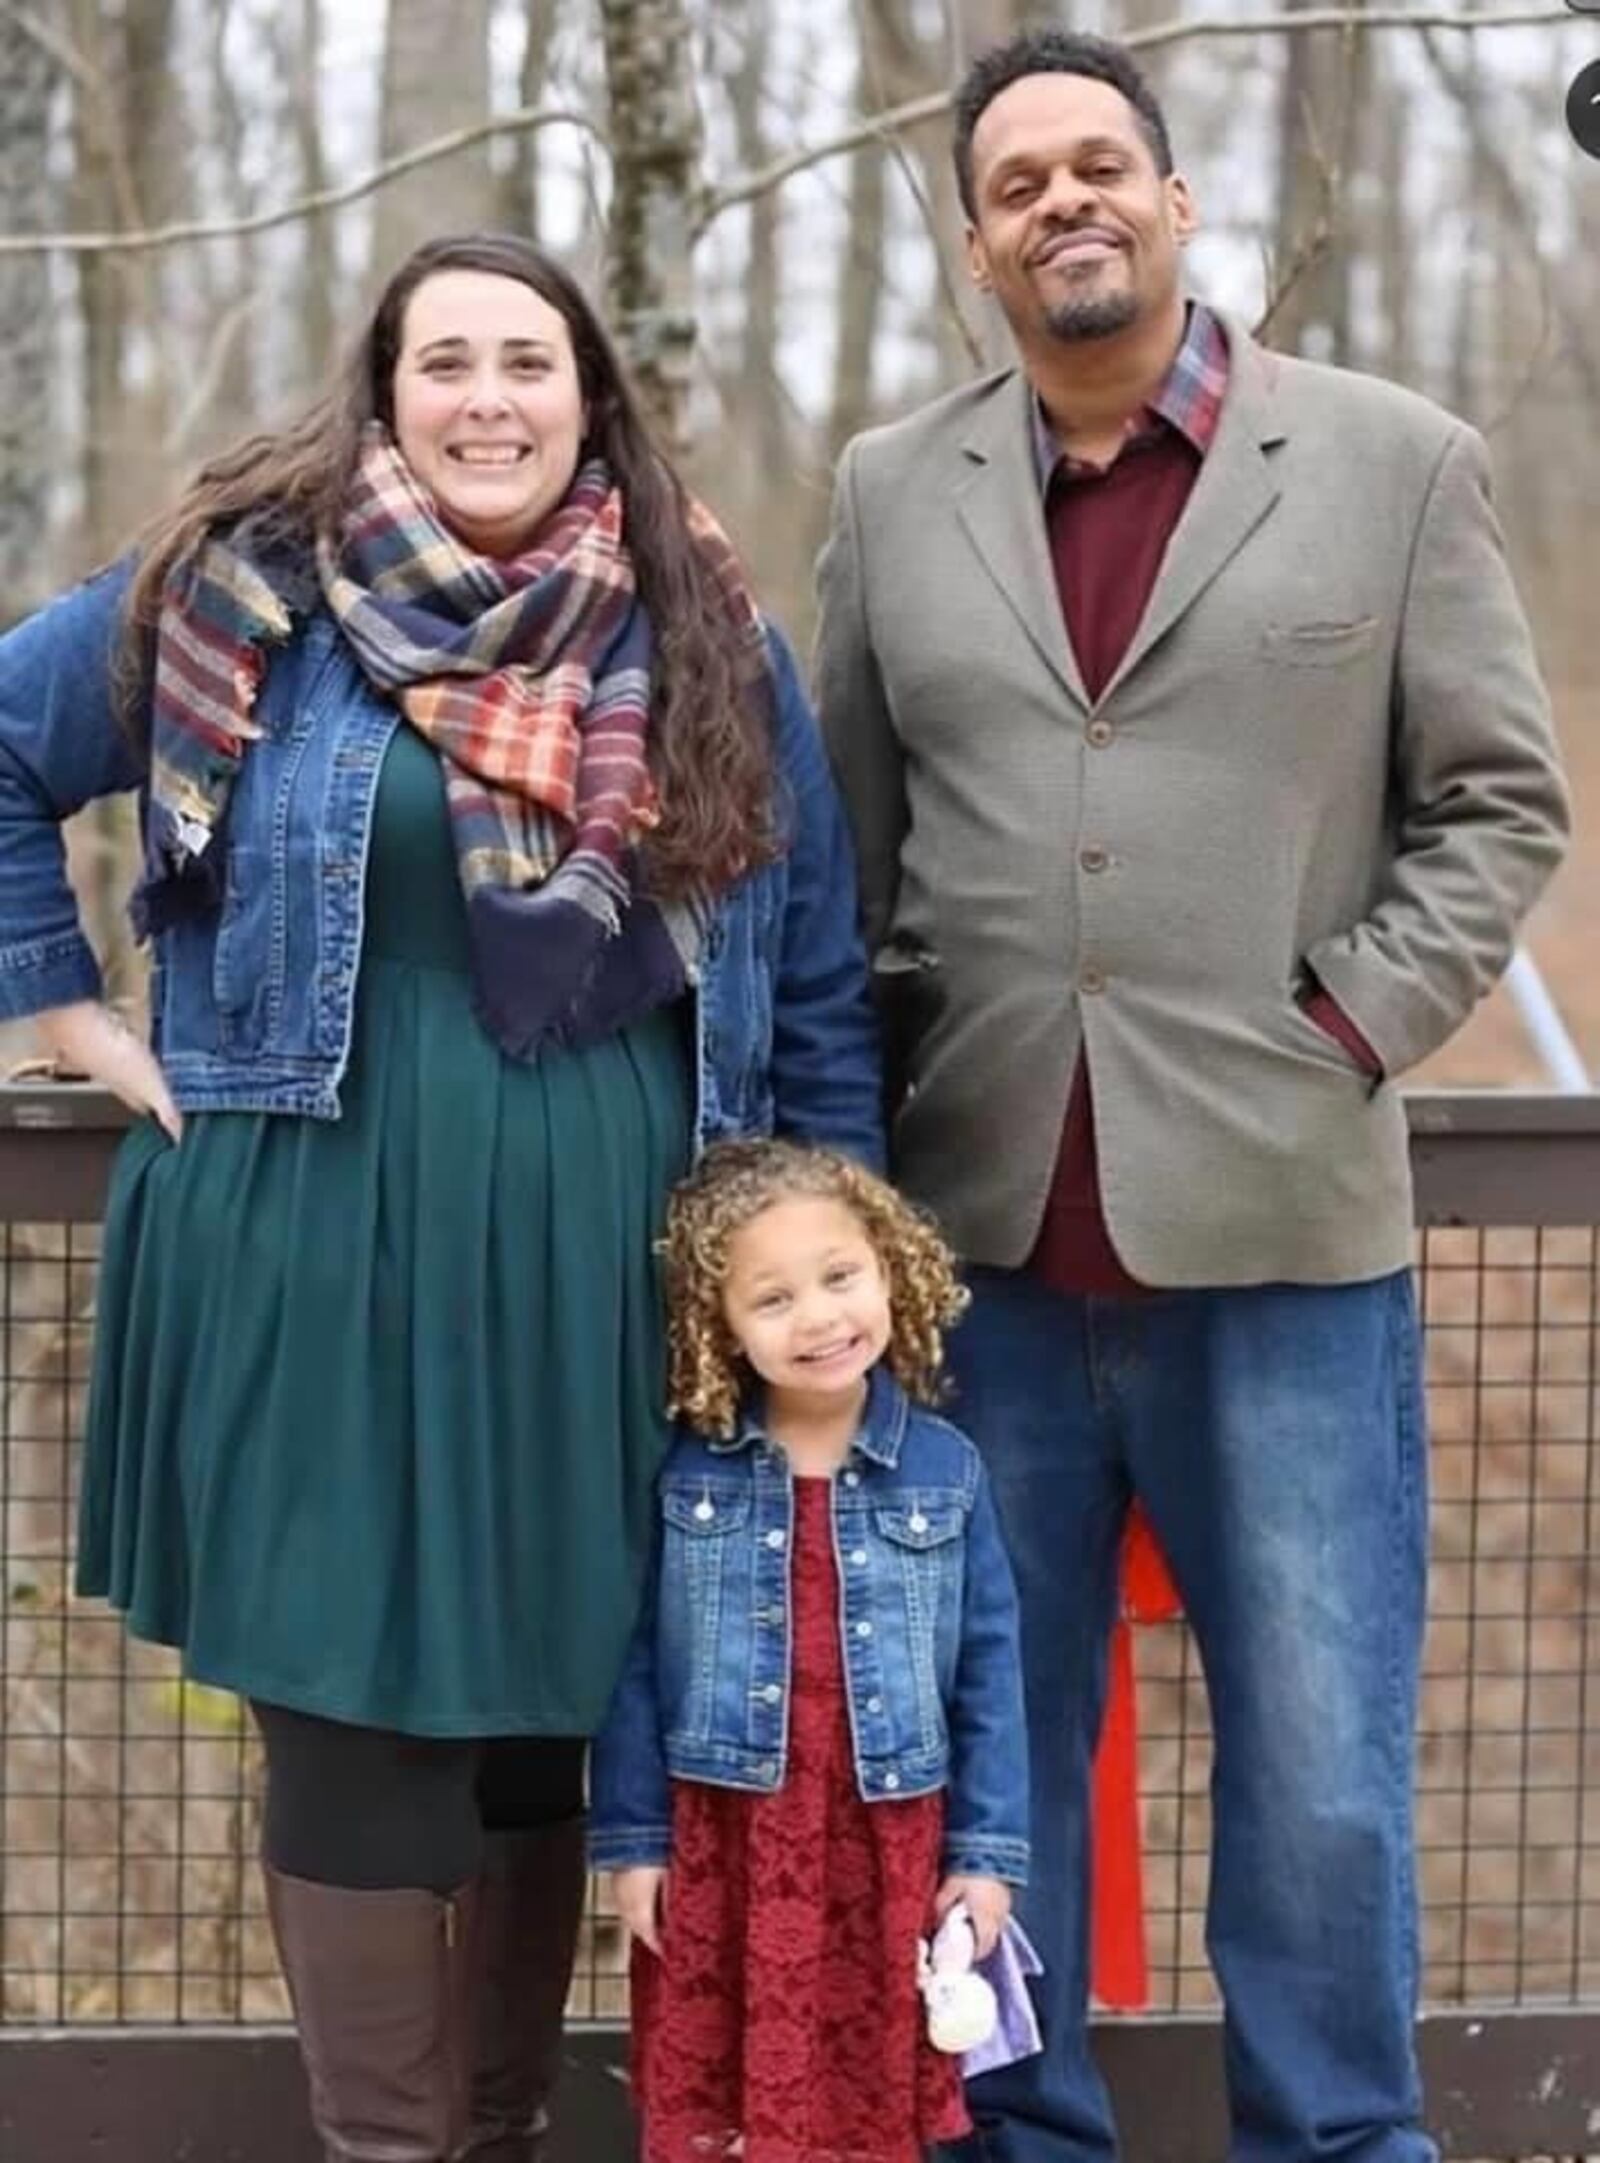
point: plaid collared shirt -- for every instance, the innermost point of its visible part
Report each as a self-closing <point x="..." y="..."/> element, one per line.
<point x="1189" y="400"/>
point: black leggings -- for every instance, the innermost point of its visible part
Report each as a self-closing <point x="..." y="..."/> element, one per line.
<point x="369" y="1810"/>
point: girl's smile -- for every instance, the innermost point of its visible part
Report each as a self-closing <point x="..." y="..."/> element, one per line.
<point x="807" y="1300"/>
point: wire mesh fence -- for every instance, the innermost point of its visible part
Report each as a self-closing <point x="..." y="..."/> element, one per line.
<point x="129" y="1800"/>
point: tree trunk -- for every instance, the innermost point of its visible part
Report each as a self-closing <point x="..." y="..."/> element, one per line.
<point x="435" y="78"/>
<point x="316" y="319"/>
<point x="27" y="428"/>
<point x="654" y="127"/>
<point x="519" y="186"/>
<point x="1309" y="298"/>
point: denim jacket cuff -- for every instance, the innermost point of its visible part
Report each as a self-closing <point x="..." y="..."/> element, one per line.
<point x="37" y="974"/>
<point x="624" y="1847"/>
<point x="978" y="1855"/>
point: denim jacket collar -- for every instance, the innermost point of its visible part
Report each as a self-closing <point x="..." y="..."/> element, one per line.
<point x="882" y="1429"/>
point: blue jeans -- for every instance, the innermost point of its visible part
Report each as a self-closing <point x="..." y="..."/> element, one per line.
<point x="1275" y="1436"/>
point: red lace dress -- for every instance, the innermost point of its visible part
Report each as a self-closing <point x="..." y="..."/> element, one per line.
<point x="783" y="2024"/>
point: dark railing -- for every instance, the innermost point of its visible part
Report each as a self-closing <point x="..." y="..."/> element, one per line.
<point x="141" y="2013"/>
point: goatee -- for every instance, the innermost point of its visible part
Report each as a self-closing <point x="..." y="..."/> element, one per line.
<point x="1072" y="320"/>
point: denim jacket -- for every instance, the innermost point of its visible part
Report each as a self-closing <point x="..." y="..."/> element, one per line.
<point x="252" y="1003"/>
<point x="929" y="1638"/>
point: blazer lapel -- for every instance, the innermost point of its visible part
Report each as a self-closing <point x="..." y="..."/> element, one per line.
<point x="1234" y="491"/>
<point x="998" y="504"/>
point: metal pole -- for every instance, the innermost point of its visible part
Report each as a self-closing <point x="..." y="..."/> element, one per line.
<point x="1543" y="1023"/>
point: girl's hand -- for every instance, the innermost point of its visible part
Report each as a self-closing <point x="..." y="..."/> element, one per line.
<point x="988" y="1903"/>
<point x="88" y="1038"/>
<point x="641" y="1896"/>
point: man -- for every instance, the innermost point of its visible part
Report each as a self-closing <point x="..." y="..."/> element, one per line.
<point x="1200" y="772"/>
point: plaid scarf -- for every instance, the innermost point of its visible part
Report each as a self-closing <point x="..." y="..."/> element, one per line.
<point x="530" y="677"/>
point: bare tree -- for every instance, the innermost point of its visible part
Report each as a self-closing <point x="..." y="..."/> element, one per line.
<point x="1310" y="300"/>
<point x="519" y="185"/>
<point x="28" y="78"/>
<point x="656" y="142"/>
<point x="435" y="76"/>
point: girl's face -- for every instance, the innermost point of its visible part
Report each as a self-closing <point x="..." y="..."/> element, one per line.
<point x="488" y="409"/>
<point x="806" y="1298"/>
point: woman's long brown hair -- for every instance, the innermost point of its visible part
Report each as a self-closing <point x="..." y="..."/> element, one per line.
<point x="711" y="737"/>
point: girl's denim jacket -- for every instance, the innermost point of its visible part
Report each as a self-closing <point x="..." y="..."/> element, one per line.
<point x="929" y="1637"/>
<point x="252" y="1002"/>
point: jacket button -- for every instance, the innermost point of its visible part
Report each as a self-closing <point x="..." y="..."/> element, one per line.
<point x="1099" y="733"/>
<point x="858" y="1556"/>
<point x="891" y="1781"/>
<point x="775" y="1538"/>
<point x="863" y="1629"/>
<point x="852" y="1479"/>
<point x="772" y="1693"/>
<point x="1091" y="981"/>
<point x="1093" y="858"/>
<point x="874" y="1704"/>
<point x="917" y="1521"/>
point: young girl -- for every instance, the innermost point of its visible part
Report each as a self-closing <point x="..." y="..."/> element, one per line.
<point x="817" y="1744"/>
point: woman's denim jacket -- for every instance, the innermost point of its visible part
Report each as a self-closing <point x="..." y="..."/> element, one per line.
<point x="252" y="1003"/>
<point x="929" y="1638"/>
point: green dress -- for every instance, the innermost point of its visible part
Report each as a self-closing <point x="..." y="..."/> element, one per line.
<point x="376" y="1402"/>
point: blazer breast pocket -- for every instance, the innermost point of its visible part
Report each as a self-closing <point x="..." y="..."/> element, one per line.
<point x="1320" y="645"/>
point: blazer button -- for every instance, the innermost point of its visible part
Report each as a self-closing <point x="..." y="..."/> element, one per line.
<point x="1093" y="858"/>
<point x="1099" y="733"/>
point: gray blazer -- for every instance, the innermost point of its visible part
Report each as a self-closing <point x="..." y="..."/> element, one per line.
<point x="1326" y="750"/>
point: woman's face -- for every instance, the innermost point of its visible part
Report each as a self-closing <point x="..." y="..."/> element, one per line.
<point x="488" y="411"/>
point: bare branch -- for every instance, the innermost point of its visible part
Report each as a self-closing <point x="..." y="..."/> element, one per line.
<point x="880" y="126"/>
<point x="745" y="187"/>
<point x="208" y="379"/>
<point x="305" y="206"/>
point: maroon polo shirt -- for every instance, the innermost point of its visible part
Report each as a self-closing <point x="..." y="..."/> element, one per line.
<point x="1108" y="530"/>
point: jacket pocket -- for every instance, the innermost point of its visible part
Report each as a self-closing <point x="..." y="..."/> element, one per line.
<point x="908" y="989"/>
<point x="1320" y="645"/>
<point x="919" y="1526"/>
<point x="241" y="962"/>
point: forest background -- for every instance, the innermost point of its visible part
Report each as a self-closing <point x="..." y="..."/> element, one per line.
<point x="198" y="199"/>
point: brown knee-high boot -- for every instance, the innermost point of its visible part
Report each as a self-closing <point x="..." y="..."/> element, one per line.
<point x="532" y="1900"/>
<point x="381" y="1984"/>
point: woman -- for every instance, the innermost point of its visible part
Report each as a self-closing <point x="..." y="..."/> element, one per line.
<point x="491" y="863"/>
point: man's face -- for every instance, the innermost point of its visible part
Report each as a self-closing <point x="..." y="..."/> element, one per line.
<point x="1077" y="234"/>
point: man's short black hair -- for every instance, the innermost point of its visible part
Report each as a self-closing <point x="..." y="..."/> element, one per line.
<point x="1052" y="52"/>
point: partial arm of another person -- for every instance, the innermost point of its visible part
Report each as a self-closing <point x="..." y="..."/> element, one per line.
<point x="827" y="1084"/>
<point x="1482" y="807"/>
<point x="62" y="745"/>
<point x="986" y="1817"/>
<point x="630" y="1797"/>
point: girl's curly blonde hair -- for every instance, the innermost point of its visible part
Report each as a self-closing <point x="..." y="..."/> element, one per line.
<point x="729" y="1187"/>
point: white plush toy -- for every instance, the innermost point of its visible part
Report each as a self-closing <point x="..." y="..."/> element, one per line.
<point x="961" y="2003"/>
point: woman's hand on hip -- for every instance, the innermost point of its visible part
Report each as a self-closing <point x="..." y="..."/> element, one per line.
<point x="89" y="1039"/>
<point x="641" y="1896"/>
